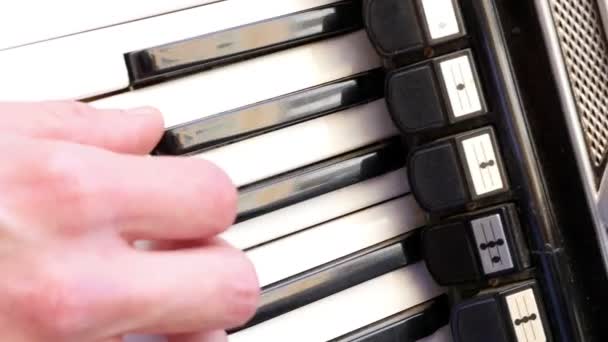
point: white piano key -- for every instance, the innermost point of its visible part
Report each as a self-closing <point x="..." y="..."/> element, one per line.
<point x="17" y="16"/>
<point x="442" y="335"/>
<point x="348" y="310"/>
<point x="92" y="63"/>
<point x="287" y="149"/>
<point x="320" y="209"/>
<point x="252" y="81"/>
<point x="330" y="241"/>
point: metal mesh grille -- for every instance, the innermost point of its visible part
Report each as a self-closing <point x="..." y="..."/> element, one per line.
<point x="583" y="43"/>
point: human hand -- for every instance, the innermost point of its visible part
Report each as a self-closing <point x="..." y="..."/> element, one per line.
<point x="77" y="191"/>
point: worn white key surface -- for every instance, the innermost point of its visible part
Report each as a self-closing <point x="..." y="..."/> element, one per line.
<point x="30" y="21"/>
<point x="335" y="239"/>
<point x="287" y="149"/>
<point x="92" y="63"/>
<point x="492" y="244"/>
<point x="482" y="164"/>
<point x="459" y="79"/>
<point x="240" y="84"/>
<point x="525" y="317"/>
<point x="441" y="18"/>
<point x="348" y="310"/>
<point x="316" y="210"/>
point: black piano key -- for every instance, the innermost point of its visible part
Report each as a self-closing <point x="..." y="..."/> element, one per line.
<point x="259" y="118"/>
<point x="243" y="42"/>
<point x="300" y="185"/>
<point x="407" y="326"/>
<point x="310" y="286"/>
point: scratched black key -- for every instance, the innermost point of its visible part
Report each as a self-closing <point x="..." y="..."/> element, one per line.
<point x="300" y="185"/>
<point x="243" y="42"/>
<point x="272" y="114"/>
<point x="326" y="280"/>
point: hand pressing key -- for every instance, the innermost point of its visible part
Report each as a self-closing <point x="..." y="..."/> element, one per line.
<point x="77" y="191"/>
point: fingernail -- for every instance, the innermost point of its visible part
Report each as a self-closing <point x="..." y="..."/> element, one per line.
<point x="143" y="111"/>
<point x="149" y="117"/>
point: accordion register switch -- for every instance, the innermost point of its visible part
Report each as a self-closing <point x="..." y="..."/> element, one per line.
<point x="435" y="93"/>
<point x="513" y="313"/>
<point x="458" y="170"/>
<point x="402" y="26"/>
<point x="475" y="246"/>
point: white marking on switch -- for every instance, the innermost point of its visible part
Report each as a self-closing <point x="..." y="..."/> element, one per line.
<point x="482" y="164"/>
<point x="461" y="86"/>
<point x="525" y="317"/>
<point x="492" y="244"/>
<point x="441" y="18"/>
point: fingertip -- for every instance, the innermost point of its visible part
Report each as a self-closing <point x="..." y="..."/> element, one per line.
<point x="169" y="198"/>
<point x="242" y="290"/>
<point x="221" y="292"/>
<point x="152" y="116"/>
<point x="149" y="131"/>
<point x="144" y="111"/>
<point x="223" y="194"/>
<point x="228" y="197"/>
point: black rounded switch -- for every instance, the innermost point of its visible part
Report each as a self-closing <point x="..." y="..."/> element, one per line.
<point x="392" y="26"/>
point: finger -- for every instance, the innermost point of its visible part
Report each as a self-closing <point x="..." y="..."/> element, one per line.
<point x="172" y="245"/>
<point x="204" y="289"/>
<point x="134" y="131"/>
<point x="114" y="339"/>
<point x="144" y="338"/>
<point x="168" y="245"/>
<point x="148" y="198"/>
<point x="102" y="294"/>
<point x="214" y="336"/>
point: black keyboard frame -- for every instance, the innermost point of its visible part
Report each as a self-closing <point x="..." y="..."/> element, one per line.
<point x="524" y="110"/>
<point x="575" y="257"/>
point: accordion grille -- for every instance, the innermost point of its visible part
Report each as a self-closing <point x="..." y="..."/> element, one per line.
<point x="585" y="51"/>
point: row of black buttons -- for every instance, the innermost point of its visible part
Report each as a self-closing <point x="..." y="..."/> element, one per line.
<point x="436" y="93"/>
<point x="398" y="27"/>
<point x="457" y="173"/>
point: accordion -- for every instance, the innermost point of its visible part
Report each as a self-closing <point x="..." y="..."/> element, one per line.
<point x="408" y="170"/>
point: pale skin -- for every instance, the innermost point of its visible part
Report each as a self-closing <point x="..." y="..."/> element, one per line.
<point x="78" y="188"/>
